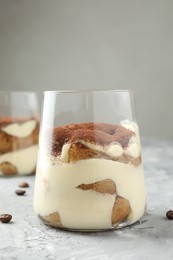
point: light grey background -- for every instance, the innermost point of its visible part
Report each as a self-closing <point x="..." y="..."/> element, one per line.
<point x="86" y="44"/>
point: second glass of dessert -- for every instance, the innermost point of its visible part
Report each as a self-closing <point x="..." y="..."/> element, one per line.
<point x="89" y="173"/>
<point x="19" y="130"/>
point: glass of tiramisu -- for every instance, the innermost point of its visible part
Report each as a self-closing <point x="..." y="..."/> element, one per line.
<point x="19" y="130"/>
<point x="89" y="173"/>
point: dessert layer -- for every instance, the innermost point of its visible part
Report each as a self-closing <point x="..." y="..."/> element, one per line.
<point x="18" y="135"/>
<point x="95" y="140"/>
<point x="20" y="130"/>
<point x="93" y="133"/>
<point x="19" y="162"/>
<point x="79" y="151"/>
<point x="60" y="188"/>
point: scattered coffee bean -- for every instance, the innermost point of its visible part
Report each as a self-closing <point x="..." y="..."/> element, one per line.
<point x="20" y="192"/>
<point x="5" y="218"/>
<point x="169" y="214"/>
<point x="23" y="185"/>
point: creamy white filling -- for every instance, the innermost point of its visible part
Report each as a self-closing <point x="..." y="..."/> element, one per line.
<point x="134" y="146"/>
<point x="114" y="150"/>
<point x="129" y="125"/>
<point x="20" y="130"/>
<point x="55" y="190"/>
<point x="64" y="157"/>
<point x="132" y="150"/>
<point x="24" y="160"/>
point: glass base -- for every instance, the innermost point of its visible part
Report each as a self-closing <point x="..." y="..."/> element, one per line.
<point x="119" y="226"/>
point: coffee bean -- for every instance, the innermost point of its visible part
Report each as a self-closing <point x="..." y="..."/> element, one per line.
<point x="169" y="214"/>
<point x="20" y="192"/>
<point x="23" y="185"/>
<point x="5" y="218"/>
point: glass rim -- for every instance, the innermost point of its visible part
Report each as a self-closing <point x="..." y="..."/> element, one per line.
<point x="18" y="91"/>
<point x="88" y="91"/>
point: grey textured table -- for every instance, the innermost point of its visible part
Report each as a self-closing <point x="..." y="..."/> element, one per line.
<point x="26" y="237"/>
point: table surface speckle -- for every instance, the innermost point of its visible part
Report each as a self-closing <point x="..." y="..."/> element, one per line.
<point x="26" y="237"/>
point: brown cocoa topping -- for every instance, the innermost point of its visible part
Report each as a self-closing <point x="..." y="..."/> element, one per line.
<point x="95" y="133"/>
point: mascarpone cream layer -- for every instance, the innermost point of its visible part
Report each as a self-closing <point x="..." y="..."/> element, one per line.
<point x="55" y="191"/>
<point x="24" y="159"/>
<point x="20" y="130"/>
<point x="133" y="127"/>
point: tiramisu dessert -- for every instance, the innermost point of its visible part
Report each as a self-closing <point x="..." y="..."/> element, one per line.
<point x="18" y="145"/>
<point x="90" y="176"/>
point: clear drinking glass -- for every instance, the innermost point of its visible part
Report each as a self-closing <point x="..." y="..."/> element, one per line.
<point x="19" y="130"/>
<point x="89" y="173"/>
